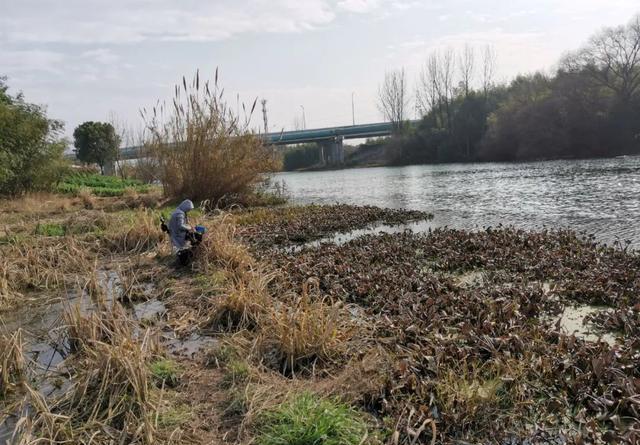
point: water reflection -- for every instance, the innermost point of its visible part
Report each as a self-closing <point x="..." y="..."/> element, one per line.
<point x="595" y="196"/>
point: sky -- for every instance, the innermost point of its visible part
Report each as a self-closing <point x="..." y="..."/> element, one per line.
<point x="101" y="60"/>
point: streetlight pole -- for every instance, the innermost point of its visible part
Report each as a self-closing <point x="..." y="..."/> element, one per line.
<point x="353" y="110"/>
<point x="304" y="119"/>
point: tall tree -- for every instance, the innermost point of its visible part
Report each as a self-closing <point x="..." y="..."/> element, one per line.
<point x="96" y="142"/>
<point x="393" y="99"/>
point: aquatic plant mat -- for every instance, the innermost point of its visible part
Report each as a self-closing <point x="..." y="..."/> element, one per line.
<point x="277" y="335"/>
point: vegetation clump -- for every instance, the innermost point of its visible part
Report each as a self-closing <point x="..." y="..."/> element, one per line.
<point x="308" y="419"/>
<point x="165" y="372"/>
<point x="99" y="185"/>
<point x="284" y="225"/>
<point x="204" y="149"/>
<point x="31" y="146"/>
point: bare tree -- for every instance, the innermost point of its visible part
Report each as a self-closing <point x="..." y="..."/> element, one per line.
<point x="488" y="68"/>
<point x="427" y="95"/>
<point x="612" y="59"/>
<point x="466" y="65"/>
<point x="393" y="99"/>
<point x="436" y="86"/>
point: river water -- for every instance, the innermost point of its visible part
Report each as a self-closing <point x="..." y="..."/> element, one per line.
<point x="600" y="197"/>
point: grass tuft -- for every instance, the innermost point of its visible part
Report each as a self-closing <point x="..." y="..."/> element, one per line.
<point x="306" y="419"/>
<point x="50" y="229"/>
<point x="165" y="372"/>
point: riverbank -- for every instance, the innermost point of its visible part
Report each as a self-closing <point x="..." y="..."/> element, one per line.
<point x="378" y="335"/>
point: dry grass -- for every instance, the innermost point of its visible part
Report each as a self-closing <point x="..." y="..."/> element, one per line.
<point x="218" y="159"/>
<point x="221" y="249"/>
<point x="86" y="197"/>
<point x="135" y="233"/>
<point x="477" y="397"/>
<point x="37" y="203"/>
<point x="111" y="398"/>
<point x="42" y="264"/>
<point x="297" y="338"/>
<point x="246" y="299"/>
<point x="12" y="363"/>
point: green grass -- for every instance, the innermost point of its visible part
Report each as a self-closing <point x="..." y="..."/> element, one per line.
<point x="165" y="370"/>
<point x="307" y="419"/>
<point x="50" y="229"/>
<point x="99" y="185"/>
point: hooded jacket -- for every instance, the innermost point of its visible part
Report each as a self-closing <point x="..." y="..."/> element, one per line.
<point x="179" y="224"/>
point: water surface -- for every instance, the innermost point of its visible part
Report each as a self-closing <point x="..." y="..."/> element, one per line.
<point x="599" y="196"/>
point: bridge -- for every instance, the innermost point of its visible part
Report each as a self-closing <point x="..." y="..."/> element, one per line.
<point x="330" y="140"/>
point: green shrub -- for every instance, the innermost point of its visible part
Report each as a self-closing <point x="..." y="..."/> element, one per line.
<point x="307" y="419"/>
<point x="30" y="146"/>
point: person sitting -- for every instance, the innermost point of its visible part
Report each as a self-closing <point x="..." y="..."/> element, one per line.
<point x="180" y="231"/>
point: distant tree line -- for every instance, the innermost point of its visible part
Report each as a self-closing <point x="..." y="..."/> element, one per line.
<point x="590" y="107"/>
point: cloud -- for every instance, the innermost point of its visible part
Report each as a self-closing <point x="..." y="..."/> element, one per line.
<point x="102" y="56"/>
<point x="127" y="21"/>
<point x="19" y="62"/>
<point x="359" y="6"/>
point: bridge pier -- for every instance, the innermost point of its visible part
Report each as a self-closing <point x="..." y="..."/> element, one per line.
<point x="332" y="152"/>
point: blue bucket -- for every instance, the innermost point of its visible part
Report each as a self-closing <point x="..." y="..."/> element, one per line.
<point x="201" y="229"/>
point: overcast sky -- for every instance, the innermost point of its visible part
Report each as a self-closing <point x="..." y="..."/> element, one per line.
<point x="87" y="59"/>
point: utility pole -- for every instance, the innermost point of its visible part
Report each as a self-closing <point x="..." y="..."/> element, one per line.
<point x="304" y="119"/>
<point x="353" y="110"/>
<point x="264" y="115"/>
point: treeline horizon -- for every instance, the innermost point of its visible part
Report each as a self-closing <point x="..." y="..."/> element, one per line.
<point x="589" y="107"/>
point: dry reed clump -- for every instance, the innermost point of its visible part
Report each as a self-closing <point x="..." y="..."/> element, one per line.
<point x="106" y="324"/>
<point x="203" y="149"/>
<point x="40" y="265"/>
<point x="135" y="233"/>
<point x="110" y="399"/>
<point x="221" y="249"/>
<point x="246" y="299"/>
<point x="12" y="363"/>
<point x="298" y="337"/>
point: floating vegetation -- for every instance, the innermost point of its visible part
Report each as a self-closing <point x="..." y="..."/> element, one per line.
<point x="283" y="225"/>
<point x="483" y="358"/>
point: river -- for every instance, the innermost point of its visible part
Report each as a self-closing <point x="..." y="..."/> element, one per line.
<point x="597" y="196"/>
